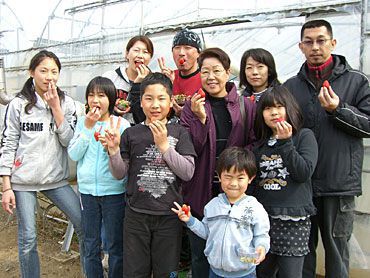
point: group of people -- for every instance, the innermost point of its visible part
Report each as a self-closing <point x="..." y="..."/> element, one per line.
<point x="263" y="165"/>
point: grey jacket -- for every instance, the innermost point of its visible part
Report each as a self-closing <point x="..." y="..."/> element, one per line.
<point x="33" y="149"/>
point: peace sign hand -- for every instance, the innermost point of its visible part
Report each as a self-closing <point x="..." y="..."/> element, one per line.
<point x="113" y="136"/>
<point x="165" y="70"/>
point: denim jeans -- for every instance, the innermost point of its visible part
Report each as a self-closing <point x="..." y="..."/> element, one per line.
<point x="110" y="210"/>
<point x="66" y="200"/>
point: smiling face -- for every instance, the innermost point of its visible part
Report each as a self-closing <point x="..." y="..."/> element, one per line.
<point x="156" y="103"/>
<point x="273" y="114"/>
<point x="43" y="74"/>
<point x="214" y="77"/>
<point x="138" y="54"/>
<point x="257" y="74"/>
<point x="234" y="183"/>
<point x="317" y="45"/>
<point x="99" y="100"/>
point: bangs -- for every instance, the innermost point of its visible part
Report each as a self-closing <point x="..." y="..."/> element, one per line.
<point x="272" y="98"/>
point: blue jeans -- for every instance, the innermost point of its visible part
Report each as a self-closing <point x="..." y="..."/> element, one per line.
<point x="110" y="210"/>
<point x="66" y="200"/>
<point x="214" y="275"/>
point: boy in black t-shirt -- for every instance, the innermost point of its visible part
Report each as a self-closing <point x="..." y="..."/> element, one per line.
<point x="156" y="156"/>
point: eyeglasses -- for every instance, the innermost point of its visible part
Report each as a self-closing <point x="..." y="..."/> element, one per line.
<point x="320" y="42"/>
<point x="207" y="73"/>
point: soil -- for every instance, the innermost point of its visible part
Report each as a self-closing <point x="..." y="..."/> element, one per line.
<point x="54" y="263"/>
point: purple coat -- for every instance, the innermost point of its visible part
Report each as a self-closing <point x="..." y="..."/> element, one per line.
<point x="198" y="191"/>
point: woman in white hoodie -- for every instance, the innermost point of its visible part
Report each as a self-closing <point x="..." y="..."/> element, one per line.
<point x="39" y="123"/>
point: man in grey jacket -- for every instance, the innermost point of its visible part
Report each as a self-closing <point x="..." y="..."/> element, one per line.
<point x="338" y="113"/>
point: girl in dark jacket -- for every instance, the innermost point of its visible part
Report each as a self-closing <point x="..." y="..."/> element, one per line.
<point x="286" y="157"/>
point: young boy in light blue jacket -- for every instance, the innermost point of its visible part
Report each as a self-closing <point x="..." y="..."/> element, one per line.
<point x="102" y="195"/>
<point x="233" y="222"/>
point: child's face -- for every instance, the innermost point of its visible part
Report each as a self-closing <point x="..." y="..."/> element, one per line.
<point x="274" y="114"/>
<point x="156" y="103"/>
<point x="234" y="184"/>
<point x="100" y="100"/>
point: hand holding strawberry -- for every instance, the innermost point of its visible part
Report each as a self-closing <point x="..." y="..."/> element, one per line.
<point x="197" y="105"/>
<point x="283" y="129"/>
<point x="329" y="100"/>
<point x="159" y="131"/>
<point x="92" y="117"/>
<point x="183" y="212"/>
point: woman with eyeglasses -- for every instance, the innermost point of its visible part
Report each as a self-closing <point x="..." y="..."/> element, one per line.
<point x="257" y="73"/>
<point x="216" y="119"/>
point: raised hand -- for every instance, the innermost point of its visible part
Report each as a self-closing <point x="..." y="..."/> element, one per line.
<point x="51" y="96"/>
<point x="165" y="70"/>
<point x="283" y="130"/>
<point x="142" y="72"/>
<point x="113" y="136"/>
<point x="183" y="216"/>
<point x="92" y="117"/>
<point x="159" y="131"/>
<point x="197" y="106"/>
<point x="329" y="100"/>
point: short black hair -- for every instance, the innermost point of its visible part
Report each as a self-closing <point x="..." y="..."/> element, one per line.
<point x="239" y="158"/>
<point x="262" y="56"/>
<point x="315" y="24"/>
<point x="104" y="85"/>
<point x="273" y="96"/>
<point x="156" y="78"/>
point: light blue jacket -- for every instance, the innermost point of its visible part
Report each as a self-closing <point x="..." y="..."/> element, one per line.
<point x="93" y="175"/>
<point x="227" y="228"/>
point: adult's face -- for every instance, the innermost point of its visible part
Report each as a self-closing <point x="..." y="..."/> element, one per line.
<point x="185" y="58"/>
<point x="257" y="74"/>
<point x="317" y="45"/>
<point x="214" y="77"/>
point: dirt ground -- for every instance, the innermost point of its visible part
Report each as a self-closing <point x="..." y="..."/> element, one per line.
<point x="54" y="263"/>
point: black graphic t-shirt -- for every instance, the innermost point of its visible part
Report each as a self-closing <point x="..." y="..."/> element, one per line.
<point x="152" y="186"/>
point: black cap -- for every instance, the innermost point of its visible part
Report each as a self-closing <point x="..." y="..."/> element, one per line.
<point x="187" y="37"/>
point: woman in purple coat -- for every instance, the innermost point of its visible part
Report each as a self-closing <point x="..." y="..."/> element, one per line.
<point x="215" y="121"/>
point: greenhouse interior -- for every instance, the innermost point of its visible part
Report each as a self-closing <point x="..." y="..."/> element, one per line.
<point x="89" y="37"/>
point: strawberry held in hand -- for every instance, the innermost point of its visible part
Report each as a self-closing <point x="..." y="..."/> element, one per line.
<point x="181" y="61"/>
<point x="326" y="84"/>
<point x="201" y="93"/>
<point x="97" y="134"/>
<point x="185" y="209"/>
<point x="279" y="120"/>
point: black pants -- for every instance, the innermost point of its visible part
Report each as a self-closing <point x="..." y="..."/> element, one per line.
<point x="199" y="262"/>
<point x="335" y="220"/>
<point x="151" y="244"/>
<point x="284" y="266"/>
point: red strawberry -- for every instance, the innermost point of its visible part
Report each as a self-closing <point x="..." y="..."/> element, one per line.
<point x="97" y="134"/>
<point x="17" y="162"/>
<point x="201" y="93"/>
<point x="280" y="120"/>
<point x="181" y="61"/>
<point x="253" y="98"/>
<point x="326" y="84"/>
<point x="185" y="209"/>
